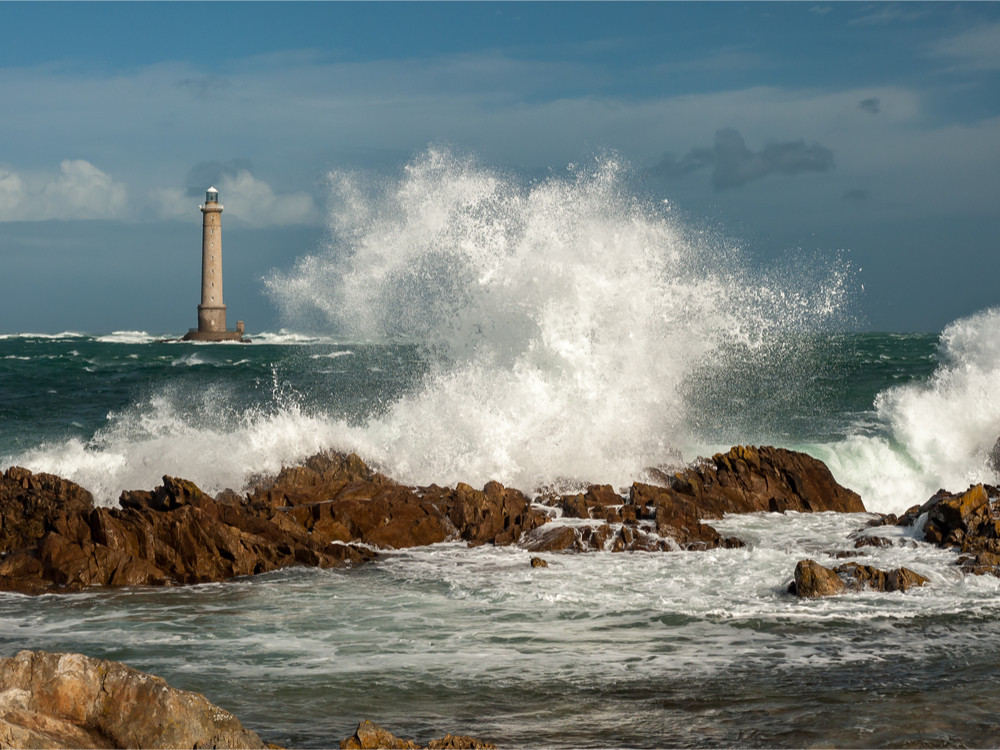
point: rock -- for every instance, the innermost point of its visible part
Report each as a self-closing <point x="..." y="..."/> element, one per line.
<point x="969" y="522"/>
<point x="459" y="742"/>
<point x="594" y="503"/>
<point x="31" y="503"/>
<point x="867" y="577"/>
<point x="872" y="541"/>
<point x="370" y="736"/>
<point x="174" y="534"/>
<point x="70" y="700"/>
<point x="812" y="580"/>
<point x="537" y="562"/>
<point x="550" y="538"/>
<point x="744" y="480"/>
<point x="993" y="459"/>
<point x="336" y="497"/>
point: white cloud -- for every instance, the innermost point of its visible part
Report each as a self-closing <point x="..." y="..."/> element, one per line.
<point x="975" y="49"/>
<point x="79" y="191"/>
<point x="246" y="199"/>
<point x="254" y="202"/>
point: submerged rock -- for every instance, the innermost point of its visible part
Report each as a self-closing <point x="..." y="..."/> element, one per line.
<point x="813" y="580"/>
<point x="51" y="700"/>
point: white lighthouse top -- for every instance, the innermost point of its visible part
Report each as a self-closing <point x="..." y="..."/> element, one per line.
<point x="211" y="195"/>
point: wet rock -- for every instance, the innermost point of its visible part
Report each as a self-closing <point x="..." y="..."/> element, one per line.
<point x="968" y="522"/>
<point x="370" y="736"/>
<point x="813" y="580"/>
<point x="550" y="538"/>
<point x="336" y="497"/>
<point x="867" y="577"/>
<point x="72" y="701"/>
<point x="597" y="502"/>
<point x="993" y="459"/>
<point x="744" y="480"/>
<point x="31" y="503"/>
<point x="459" y="742"/>
<point x="872" y="541"/>
<point x="174" y="534"/>
<point x="537" y="562"/>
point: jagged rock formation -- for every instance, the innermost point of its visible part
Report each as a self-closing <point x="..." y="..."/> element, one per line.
<point x="50" y="700"/>
<point x="744" y="480"/>
<point x="334" y="509"/>
<point x="968" y="522"/>
<point x="175" y="534"/>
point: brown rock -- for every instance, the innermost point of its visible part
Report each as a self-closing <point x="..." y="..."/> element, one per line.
<point x="969" y="522"/>
<point x="175" y="534"/>
<point x="370" y="736"/>
<point x="744" y="480"/>
<point x="69" y="700"/>
<point x="537" y="562"/>
<point x="459" y="742"/>
<point x="865" y="576"/>
<point x="550" y="538"/>
<point x="812" y="580"/>
<point x="31" y="503"/>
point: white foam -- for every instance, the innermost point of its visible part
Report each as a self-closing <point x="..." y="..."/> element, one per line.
<point x="941" y="430"/>
<point x="214" y="448"/>
<point x="287" y="337"/>
<point x="128" y="337"/>
<point x="47" y="336"/>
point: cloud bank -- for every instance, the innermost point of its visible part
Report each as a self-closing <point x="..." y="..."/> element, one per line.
<point x="79" y="191"/>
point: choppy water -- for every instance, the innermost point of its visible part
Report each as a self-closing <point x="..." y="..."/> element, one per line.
<point x="557" y="333"/>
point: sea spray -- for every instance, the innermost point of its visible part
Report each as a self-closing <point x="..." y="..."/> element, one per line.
<point x="938" y="432"/>
<point x="563" y="317"/>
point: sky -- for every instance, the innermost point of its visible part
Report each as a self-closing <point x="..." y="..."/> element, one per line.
<point x="864" y="132"/>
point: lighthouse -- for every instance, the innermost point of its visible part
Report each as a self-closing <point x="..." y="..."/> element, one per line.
<point x="212" y="310"/>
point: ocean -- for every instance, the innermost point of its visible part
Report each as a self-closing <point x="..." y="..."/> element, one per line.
<point x="460" y="325"/>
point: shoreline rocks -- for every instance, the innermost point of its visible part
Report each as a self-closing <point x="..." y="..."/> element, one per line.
<point x="334" y="510"/>
<point x="66" y="700"/>
<point x="52" y="700"/>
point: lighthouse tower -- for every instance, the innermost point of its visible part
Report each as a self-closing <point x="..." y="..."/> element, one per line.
<point x="212" y="310"/>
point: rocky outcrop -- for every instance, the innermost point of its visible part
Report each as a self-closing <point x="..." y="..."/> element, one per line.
<point x="813" y="580"/>
<point x="175" y="534"/>
<point x="336" y="497"/>
<point x="50" y="700"/>
<point x="334" y="509"/>
<point x="968" y="522"/>
<point x="670" y="515"/>
<point x="370" y="736"/>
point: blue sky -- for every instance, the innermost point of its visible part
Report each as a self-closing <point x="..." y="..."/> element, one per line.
<point x="864" y="131"/>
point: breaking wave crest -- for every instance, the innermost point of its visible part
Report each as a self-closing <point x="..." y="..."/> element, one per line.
<point x="563" y="317"/>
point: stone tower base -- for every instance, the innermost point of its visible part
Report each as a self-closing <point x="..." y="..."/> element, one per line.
<point x="195" y="335"/>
